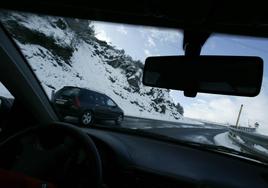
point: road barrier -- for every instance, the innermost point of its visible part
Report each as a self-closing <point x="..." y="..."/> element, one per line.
<point x="247" y="129"/>
<point x="250" y="141"/>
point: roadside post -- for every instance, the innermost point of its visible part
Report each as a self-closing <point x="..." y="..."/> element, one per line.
<point x="239" y="114"/>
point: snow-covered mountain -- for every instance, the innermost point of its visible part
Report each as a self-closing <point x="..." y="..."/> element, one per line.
<point x="65" y="52"/>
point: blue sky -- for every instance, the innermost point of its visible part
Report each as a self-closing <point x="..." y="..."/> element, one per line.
<point x="141" y="42"/>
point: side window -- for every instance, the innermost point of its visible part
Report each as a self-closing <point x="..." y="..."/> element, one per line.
<point x="91" y="96"/>
<point x="110" y="103"/>
<point x="97" y="98"/>
<point x="102" y="101"/>
<point x="87" y="96"/>
<point x="6" y="103"/>
<point x="83" y="95"/>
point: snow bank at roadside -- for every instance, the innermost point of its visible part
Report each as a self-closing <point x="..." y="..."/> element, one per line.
<point x="223" y="140"/>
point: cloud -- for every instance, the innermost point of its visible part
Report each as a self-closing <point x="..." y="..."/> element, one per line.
<point x="211" y="44"/>
<point x="161" y="34"/>
<point x="220" y="109"/>
<point x="121" y="29"/>
<point x="101" y="31"/>
<point x="224" y="109"/>
<point x="151" y="42"/>
<point x="147" y="52"/>
<point x="102" y="35"/>
<point x="166" y="35"/>
<point x="158" y="39"/>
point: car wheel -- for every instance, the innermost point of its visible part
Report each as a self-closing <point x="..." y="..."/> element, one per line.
<point x="86" y="119"/>
<point x="119" y="120"/>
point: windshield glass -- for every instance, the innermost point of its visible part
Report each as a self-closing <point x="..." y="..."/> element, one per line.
<point x="92" y="72"/>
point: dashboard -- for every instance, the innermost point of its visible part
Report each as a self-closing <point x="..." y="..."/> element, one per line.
<point x="129" y="161"/>
<point x="137" y="161"/>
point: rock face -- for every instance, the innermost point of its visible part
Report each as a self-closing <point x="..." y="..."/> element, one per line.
<point x="66" y="52"/>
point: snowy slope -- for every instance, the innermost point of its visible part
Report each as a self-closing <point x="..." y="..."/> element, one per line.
<point x="65" y="52"/>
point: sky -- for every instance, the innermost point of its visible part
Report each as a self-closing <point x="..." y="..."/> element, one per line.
<point x="141" y="42"/>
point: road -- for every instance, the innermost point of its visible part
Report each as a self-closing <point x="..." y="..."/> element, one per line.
<point x="196" y="133"/>
<point x="200" y="135"/>
<point x="191" y="132"/>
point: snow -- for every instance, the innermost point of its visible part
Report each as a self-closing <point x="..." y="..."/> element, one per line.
<point x="240" y="139"/>
<point x="4" y="92"/>
<point x="63" y="37"/>
<point x="201" y="139"/>
<point x="224" y="140"/>
<point x="89" y="70"/>
<point x="260" y="148"/>
<point x="164" y="126"/>
<point x="262" y="130"/>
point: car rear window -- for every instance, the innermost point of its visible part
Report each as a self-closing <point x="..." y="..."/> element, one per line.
<point x="70" y="92"/>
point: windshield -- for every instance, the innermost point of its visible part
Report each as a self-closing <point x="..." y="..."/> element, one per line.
<point x="92" y="71"/>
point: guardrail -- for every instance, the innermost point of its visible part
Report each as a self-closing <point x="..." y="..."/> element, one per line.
<point x="247" y="129"/>
<point x="249" y="141"/>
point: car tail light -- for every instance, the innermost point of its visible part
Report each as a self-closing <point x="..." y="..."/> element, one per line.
<point x="77" y="102"/>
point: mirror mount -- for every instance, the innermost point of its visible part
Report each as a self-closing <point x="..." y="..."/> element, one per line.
<point x="190" y="93"/>
<point x="192" y="45"/>
<point x="193" y="42"/>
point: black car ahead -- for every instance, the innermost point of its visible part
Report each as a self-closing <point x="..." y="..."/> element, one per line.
<point x="86" y="105"/>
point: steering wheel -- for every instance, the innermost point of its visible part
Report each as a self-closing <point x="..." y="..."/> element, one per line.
<point x="45" y="150"/>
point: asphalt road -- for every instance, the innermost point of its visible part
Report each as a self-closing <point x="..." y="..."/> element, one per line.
<point x="196" y="133"/>
<point x="200" y="135"/>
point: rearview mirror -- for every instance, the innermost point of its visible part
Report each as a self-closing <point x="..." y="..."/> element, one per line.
<point x="228" y="75"/>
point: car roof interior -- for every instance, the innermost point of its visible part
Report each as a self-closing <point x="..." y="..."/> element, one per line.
<point x="243" y="18"/>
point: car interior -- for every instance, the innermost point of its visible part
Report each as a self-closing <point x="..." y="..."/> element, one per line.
<point x="38" y="150"/>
